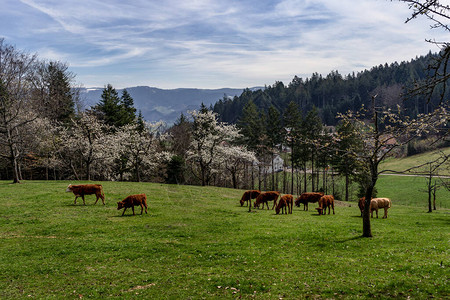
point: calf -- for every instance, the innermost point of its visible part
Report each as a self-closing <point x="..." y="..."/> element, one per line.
<point x="132" y="201"/>
<point x="306" y="198"/>
<point x="86" y="189"/>
<point x="324" y="202"/>
<point x="375" y="204"/>
<point x="266" y="197"/>
<point x="248" y="196"/>
<point x="285" y="204"/>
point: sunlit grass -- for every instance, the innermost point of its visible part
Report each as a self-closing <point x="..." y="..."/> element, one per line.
<point x="197" y="242"/>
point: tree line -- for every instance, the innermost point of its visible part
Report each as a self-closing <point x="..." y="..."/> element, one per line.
<point x="336" y="93"/>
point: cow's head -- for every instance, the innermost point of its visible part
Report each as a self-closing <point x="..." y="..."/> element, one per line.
<point x="69" y="188"/>
<point x="242" y="202"/>
<point x="120" y="205"/>
<point x="277" y="210"/>
<point x="319" y="210"/>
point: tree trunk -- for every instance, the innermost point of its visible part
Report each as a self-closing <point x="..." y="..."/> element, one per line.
<point x="313" y="187"/>
<point x="434" y="195"/>
<point x="346" y="186"/>
<point x="273" y="174"/>
<point x="367" y="230"/>
<point x="430" y="188"/>
<point x="305" y="178"/>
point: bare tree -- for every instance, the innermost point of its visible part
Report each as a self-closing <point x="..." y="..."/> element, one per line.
<point x="15" y="77"/>
<point x="439" y="15"/>
<point x="380" y="144"/>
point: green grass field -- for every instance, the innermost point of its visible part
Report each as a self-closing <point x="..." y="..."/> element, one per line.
<point x="401" y="164"/>
<point x="198" y="243"/>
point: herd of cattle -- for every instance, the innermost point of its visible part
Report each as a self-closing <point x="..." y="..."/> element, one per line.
<point x="285" y="204"/>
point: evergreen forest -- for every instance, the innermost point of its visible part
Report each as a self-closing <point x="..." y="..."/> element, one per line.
<point x="336" y="93"/>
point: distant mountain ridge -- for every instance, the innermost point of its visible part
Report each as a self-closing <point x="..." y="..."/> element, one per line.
<point x="163" y="104"/>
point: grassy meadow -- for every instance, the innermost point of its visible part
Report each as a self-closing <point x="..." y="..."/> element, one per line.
<point x="198" y="243"/>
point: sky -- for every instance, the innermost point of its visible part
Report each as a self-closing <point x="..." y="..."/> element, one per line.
<point x="214" y="43"/>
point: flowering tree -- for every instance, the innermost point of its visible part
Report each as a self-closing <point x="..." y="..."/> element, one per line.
<point x="207" y="146"/>
<point x="233" y="160"/>
<point x="141" y="148"/>
<point x="88" y="139"/>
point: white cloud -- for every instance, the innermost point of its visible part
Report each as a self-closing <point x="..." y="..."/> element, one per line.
<point x="211" y="43"/>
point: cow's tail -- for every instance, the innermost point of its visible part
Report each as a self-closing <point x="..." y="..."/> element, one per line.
<point x="101" y="191"/>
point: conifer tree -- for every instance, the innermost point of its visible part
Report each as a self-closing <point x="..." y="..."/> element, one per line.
<point x="292" y="123"/>
<point x="109" y="106"/>
<point x="127" y="108"/>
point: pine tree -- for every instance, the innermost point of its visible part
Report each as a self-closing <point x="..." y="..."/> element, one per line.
<point x="274" y="135"/>
<point x="109" y="106"/>
<point x="292" y="123"/>
<point x="127" y="108"/>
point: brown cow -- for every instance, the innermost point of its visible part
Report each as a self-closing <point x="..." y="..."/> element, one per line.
<point x="306" y="198"/>
<point x="285" y="204"/>
<point x="132" y="201"/>
<point x="361" y="204"/>
<point x="266" y="197"/>
<point x="324" y="202"/>
<point x="86" y="189"/>
<point x="248" y="196"/>
<point x="375" y="204"/>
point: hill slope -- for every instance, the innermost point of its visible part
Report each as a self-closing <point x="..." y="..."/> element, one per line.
<point x="401" y="164"/>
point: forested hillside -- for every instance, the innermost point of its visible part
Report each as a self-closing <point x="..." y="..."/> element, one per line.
<point x="337" y="93"/>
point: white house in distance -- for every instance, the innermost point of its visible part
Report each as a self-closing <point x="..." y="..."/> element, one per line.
<point x="278" y="163"/>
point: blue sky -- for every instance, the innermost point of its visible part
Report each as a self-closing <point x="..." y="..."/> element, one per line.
<point x="213" y="43"/>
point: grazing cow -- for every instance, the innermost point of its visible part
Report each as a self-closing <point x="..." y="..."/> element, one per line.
<point x="324" y="202"/>
<point x="361" y="204"/>
<point x="375" y="204"/>
<point x="132" y="201"/>
<point x="266" y="197"/>
<point x="306" y="198"/>
<point x="285" y="204"/>
<point x="86" y="189"/>
<point x="248" y="196"/>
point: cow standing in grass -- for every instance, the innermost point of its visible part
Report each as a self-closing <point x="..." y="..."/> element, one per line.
<point x="81" y="190"/>
<point x="324" y="202"/>
<point x="132" y="201"/>
<point x="248" y="196"/>
<point x="375" y="204"/>
<point x="266" y="197"/>
<point x="285" y="204"/>
<point x="306" y="198"/>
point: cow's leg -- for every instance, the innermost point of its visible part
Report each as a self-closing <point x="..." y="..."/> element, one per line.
<point x="132" y="208"/>
<point x="84" y="202"/>
<point x="376" y="212"/>
<point x="75" y="202"/>
<point x="142" y="208"/>
<point x="274" y="203"/>
<point x="96" y="200"/>
<point x="124" y="211"/>
<point x="385" y="213"/>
